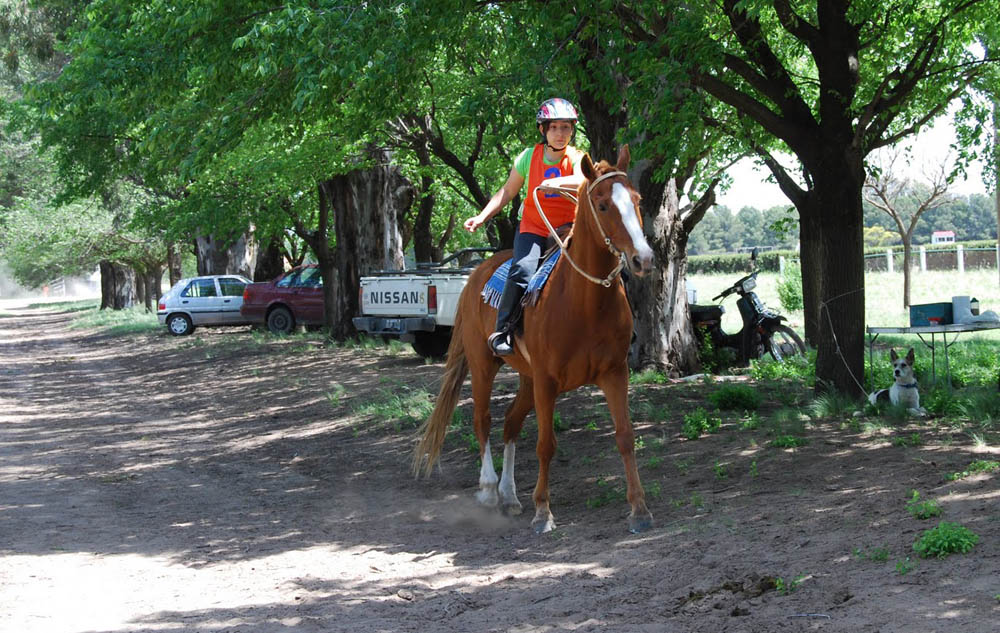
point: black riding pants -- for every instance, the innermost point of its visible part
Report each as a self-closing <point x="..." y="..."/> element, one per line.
<point x="528" y="249"/>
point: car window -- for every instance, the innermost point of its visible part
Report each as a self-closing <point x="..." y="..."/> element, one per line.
<point x="232" y="287"/>
<point x="200" y="288"/>
<point x="288" y="279"/>
<point x="310" y="278"/>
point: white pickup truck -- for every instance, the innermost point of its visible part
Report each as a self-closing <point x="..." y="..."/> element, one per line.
<point x="417" y="305"/>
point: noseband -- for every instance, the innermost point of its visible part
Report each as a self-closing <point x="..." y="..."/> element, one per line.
<point x="606" y="282"/>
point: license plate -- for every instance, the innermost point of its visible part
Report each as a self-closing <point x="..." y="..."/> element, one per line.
<point x="392" y="324"/>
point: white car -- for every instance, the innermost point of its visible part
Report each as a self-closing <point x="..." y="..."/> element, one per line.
<point x="211" y="300"/>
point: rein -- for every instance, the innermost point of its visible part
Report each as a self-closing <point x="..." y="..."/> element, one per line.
<point x="606" y="282"/>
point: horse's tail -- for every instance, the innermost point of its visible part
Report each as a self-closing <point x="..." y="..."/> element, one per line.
<point x="435" y="427"/>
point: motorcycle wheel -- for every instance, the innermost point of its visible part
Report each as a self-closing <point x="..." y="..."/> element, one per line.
<point x="784" y="343"/>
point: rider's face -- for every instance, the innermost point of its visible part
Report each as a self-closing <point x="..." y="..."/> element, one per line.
<point x="559" y="134"/>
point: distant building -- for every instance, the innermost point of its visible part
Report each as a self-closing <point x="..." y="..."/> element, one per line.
<point x="942" y="237"/>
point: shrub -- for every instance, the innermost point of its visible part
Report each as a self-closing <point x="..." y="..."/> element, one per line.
<point x="790" y="288"/>
<point x="922" y="509"/>
<point x="978" y="466"/>
<point x="946" y="538"/>
<point x="699" y="421"/>
<point x="736" y="398"/>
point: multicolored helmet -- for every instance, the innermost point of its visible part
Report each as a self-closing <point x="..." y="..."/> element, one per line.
<point x="556" y="110"/>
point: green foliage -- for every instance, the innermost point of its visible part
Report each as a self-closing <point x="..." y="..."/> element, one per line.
<point x="608" y="493"/>
<point x="750" y="422"/>
<point x="978" y="466"/>
<point x="700" y="421"/>
<point x="790" y="288"/>
<point x="400" y="405"/>
<point x="942" y="401"/>
<point x="736" y="398"/>
<point x="736" y="264"/>
<point x="785" y="587"/>
<point x="797" y="367"/>
<point x="336" y="394"/>
<point x="647" y="377"/>
<point x="132" y="320"/>
<point x="557" y="422"/>
<point x="905" y="566"/>
<point x="712" y="358"/>
<point x="913" y="439"/>
<point x="788" y="441"/>
<point x="831" y="404"/>
<point x="878" y="555"/>
<point x="947" y="538"/>
<point x="922" y="509"/>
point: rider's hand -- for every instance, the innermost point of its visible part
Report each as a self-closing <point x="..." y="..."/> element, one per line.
<point x="472" y="224"/>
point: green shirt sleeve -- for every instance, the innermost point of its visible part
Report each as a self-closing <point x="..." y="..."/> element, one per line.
<point x="523" y="162"/>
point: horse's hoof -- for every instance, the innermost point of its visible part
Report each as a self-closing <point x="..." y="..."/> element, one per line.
<point x="640" y="523"/>
<point x="488" y="498"/>
<point x="512" y="509"/>
<point x="543" y="524"/>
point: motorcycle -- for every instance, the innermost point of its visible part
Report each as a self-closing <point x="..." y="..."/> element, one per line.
<point x="763" y="331"/>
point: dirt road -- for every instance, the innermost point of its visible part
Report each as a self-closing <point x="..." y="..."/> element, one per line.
<point x="229" y="482"/>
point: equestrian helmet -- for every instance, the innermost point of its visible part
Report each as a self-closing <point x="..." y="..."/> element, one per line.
<point x="556" y="110"/>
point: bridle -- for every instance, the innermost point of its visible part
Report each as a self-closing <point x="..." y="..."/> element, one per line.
<point x="568" y="193"/>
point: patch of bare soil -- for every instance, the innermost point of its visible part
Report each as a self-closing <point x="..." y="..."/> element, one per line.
<point x="230" y="482"/>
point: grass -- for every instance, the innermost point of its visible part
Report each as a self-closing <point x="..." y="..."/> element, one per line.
<point x="134" y="320"/>
<point x="400" y="406"/>
<point x="883" y="295"/>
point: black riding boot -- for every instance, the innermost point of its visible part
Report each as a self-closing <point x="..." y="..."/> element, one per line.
<point x="502" y="340"/>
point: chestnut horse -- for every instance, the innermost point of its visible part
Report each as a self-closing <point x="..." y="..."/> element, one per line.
<point x="577" y="333"/>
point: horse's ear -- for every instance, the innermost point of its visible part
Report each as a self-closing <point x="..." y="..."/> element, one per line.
<point x="587" y="166"/>
<point x="624" y="158"/>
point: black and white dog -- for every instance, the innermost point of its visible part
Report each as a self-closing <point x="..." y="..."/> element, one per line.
<point x="904" y="390"/>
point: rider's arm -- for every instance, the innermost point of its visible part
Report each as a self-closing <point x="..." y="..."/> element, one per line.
<point x="564" y="182"/>
<point x="571" y="181"/>
<point x="499" y="200"/>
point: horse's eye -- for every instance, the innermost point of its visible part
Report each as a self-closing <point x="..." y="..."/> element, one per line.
<point x="603" y="208"/>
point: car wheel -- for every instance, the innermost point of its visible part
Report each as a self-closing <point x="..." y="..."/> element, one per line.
<point x="179" y="324"/>
<point x="432" y="344"/>
<point x="280" y="321"/>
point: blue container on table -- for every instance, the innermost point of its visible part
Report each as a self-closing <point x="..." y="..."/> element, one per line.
<point x="930" y="314"/>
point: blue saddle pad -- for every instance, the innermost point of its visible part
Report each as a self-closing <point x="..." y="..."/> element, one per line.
<point x="494" y="285"/>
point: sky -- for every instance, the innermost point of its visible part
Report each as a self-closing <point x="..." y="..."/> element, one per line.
<point x="751" y="187"/>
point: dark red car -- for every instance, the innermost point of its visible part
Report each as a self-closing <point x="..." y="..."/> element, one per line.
<point x="294" y="298"/>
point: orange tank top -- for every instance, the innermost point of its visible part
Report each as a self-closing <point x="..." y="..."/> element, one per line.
<point x="557" y="209"/>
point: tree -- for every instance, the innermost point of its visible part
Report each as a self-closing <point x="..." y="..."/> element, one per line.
<point x="831" y="81"/>
<point x="905" y="202"/>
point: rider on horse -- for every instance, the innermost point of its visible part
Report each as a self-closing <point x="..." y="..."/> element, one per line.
<point x="556" y="163"/>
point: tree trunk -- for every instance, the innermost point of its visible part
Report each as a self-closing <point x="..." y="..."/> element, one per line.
<point x="810" y="244"/>
<point x="174" y="264"/>
<point x="423" y="241"/>
<point x="139" y="274"/>
<point x="366" y="205"/>
<point x="664" y="338"/>
<point x="117" y="285"/>
<point x="833" y="261"/>
<point x="215" y="257"/>
<point x="270" y="262"/>
<point x="996" y="167"/>
<point x="907" y="273"/>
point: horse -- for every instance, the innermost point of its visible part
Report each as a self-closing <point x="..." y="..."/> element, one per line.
<point x="577" y="333"/>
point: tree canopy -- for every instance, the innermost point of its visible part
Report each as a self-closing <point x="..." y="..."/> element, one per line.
<point x="229" y="114"/>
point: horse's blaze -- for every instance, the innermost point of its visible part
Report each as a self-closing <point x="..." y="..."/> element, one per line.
<point x="640" y="255"/>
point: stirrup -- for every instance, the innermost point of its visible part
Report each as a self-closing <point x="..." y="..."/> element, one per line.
<point x="499" y="343"/>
